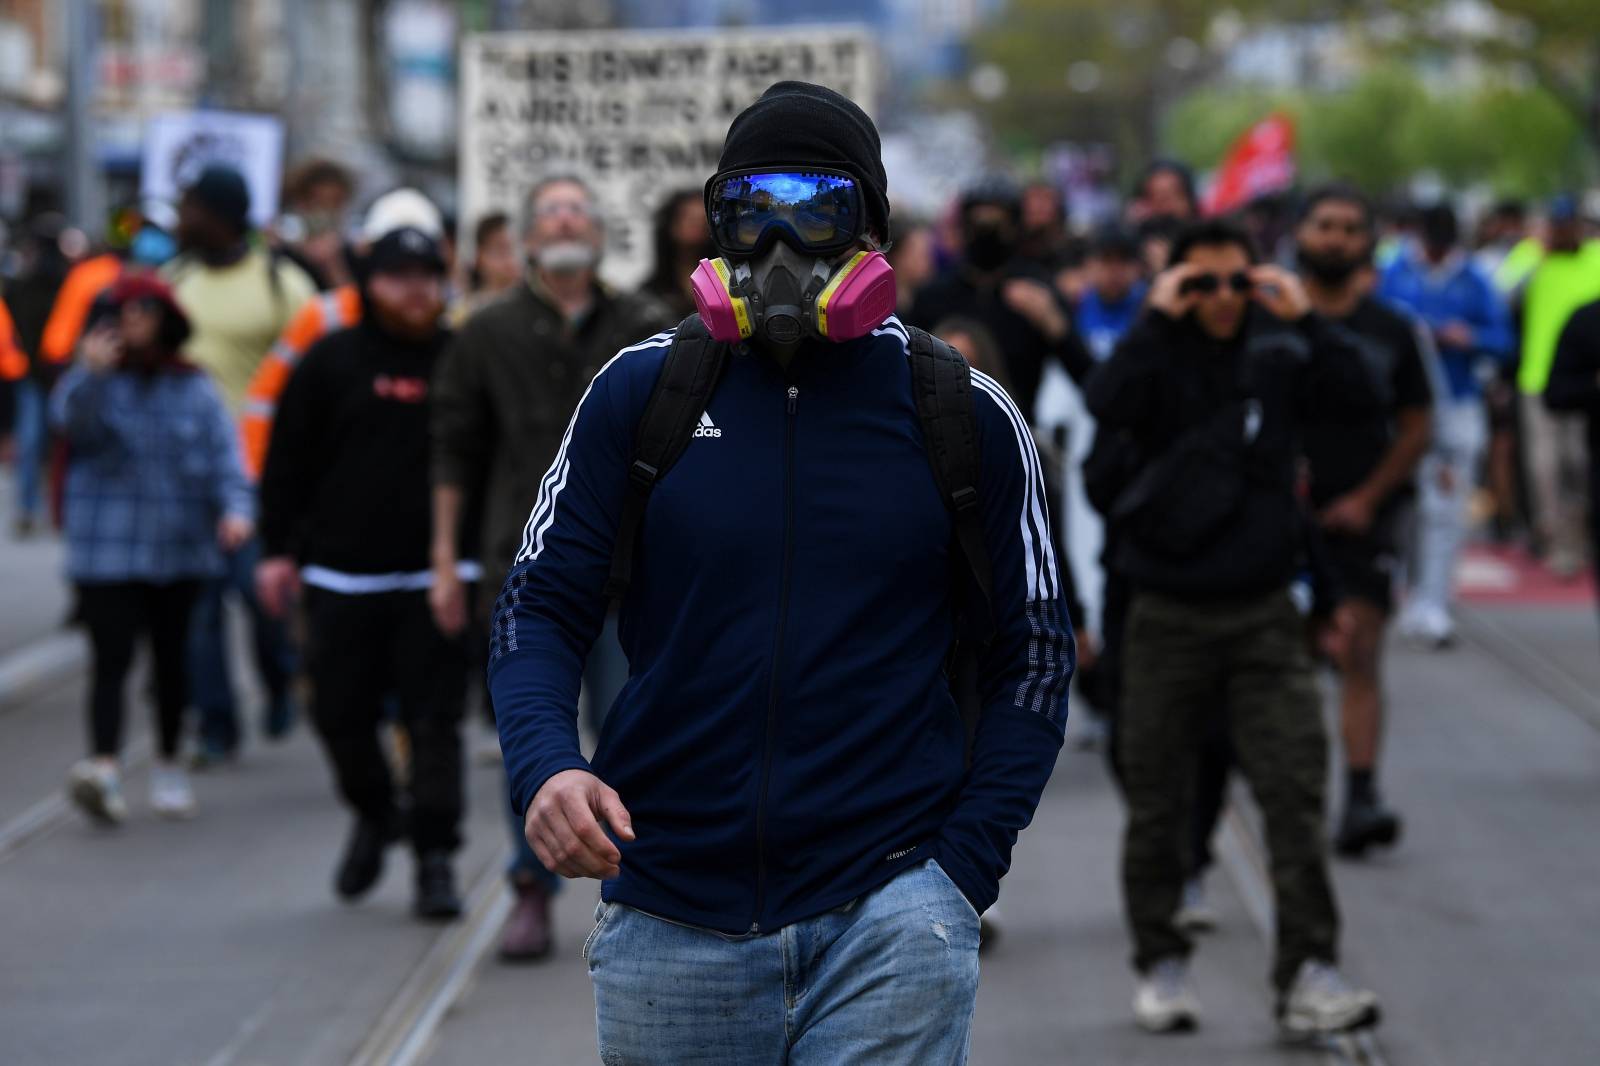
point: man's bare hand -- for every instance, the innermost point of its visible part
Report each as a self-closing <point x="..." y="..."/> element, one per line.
<point x="1167" y="295"/>
<point x="1350" y="513"/>
<point x="1034" y="301"/>
<point x="234" y="532"/>
<point x="563" y="826"/>
<point x="447" y="598"/>
<point x="277" y="584"/>
<point x="1456" y="335"/>
<point x="102" y="349"/>
<point x="1280" y="292"/>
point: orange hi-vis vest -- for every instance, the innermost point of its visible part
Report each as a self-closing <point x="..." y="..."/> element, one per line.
<point x="64" y="327"/>
<point x="13" y="362"/>
<point x="325" y="313"/>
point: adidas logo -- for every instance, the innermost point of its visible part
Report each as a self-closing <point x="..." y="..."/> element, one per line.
<point x="706" y="428"/>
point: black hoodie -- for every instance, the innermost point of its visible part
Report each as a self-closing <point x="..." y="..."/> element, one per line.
<point x="1167" y="379"/>
<point x="345" y="484"/>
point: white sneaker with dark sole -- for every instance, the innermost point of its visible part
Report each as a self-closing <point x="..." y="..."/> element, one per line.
<point x="170" y="793"/>
<point x="1164" y="1002"/>
<point x="96" y="789"/>
<point x="1194" y="913"/>
<point x="1323" y="1002"/>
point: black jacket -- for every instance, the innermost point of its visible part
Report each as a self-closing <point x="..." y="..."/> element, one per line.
<point x="1022" y="346"/>
<point x="1575" y="386"/>
<point x="1575" y="375"/>
<point x="504" y="395"/>
<point x="345" y="484"/>
<point x="1168" y="382"/>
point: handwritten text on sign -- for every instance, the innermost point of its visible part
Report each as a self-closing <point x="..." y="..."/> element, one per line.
<point x="638" y="115"/>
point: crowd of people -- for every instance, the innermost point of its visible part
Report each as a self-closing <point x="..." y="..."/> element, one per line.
<point x="1240" y="447"/>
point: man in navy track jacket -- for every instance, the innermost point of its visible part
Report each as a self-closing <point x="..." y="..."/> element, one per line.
<point x="783" y="776"/>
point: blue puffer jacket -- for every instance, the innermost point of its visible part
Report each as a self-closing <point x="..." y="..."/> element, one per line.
<point x="786" y="740"/>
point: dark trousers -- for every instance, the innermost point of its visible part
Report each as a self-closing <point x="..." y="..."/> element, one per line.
<point x="1213" y="760"/>
<point x="210" y="677"/>
<point x="117" y="614"/>
<point x="1248" y="657"/>
<point x="362" y="649"/>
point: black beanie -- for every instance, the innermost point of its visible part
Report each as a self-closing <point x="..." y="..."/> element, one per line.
<point x="222" y="190"/>
<point x="796" y="123"/>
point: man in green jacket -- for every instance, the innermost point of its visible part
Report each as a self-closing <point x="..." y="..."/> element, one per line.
<point x="1567" y="278"/>
<point x="501" y="402"/>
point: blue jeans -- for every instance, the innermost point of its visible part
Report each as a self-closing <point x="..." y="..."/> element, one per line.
<point x="210" y="683"/>
<point x="604" y="674"/>
<point x="889" y="979"/>
<point x="30" y="435"/>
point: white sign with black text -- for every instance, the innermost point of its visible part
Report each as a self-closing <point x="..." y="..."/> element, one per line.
<point x="639" y="115"/>
<point x="179" y="145"/>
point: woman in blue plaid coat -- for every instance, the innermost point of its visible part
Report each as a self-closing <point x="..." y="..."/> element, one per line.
<point x="155" y="493"/>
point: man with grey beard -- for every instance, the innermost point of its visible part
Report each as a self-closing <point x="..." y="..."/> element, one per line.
<point x="502" y="399"/>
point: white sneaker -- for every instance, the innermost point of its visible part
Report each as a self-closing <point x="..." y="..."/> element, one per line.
<point x="96" y="787"/>
<point x="1427" y="625"/>
<point x="1438" y="629"/>
<point x="1164" y="1002"/>
<point x="1194" y="913"/>
<point x="170" y="794"/>
<point x="1322" y="1000"/>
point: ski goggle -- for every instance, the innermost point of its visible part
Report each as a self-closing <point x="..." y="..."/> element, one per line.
<point x="819" y="211"/>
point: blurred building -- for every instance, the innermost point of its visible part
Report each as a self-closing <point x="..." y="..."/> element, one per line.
<point x="371" y="83"/>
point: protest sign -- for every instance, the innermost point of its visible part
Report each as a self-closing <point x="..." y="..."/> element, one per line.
<point x="638" y="115"/>
<point x="178" y="146"/>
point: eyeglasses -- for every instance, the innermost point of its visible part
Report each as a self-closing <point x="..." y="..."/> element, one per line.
<point x="821" y="210"/>
<point x="556" y="208"/>
<point x="1209" y="284"/>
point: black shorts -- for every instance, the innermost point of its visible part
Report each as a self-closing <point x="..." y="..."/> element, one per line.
<point x="1366" y="567"/>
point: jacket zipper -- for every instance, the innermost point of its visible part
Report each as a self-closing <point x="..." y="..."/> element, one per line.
<point x="777" y="657"/>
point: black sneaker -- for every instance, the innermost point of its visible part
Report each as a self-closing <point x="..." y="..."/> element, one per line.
<point x="436" y="888"/>
<point x="1366" y="823"/>
<point x="362" y="862"/>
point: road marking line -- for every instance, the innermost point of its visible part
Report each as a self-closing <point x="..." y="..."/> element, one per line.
<point x="404" y="1032"/>
<point x="1242" y="854"/>
<point x="52" y="812"/>
<point x="32" y="665"/>
<point x="1542" y="670"/>
<point x="229" y="1052"/>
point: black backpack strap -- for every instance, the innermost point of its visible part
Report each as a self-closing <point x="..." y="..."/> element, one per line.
<point x="942" y="383"/>
<point x="690" y="374"/>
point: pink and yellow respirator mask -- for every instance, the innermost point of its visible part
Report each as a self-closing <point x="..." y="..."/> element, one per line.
<point x="783" y="234"/>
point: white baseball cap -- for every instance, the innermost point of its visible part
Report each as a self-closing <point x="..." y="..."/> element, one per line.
<point x="402" y="209"/>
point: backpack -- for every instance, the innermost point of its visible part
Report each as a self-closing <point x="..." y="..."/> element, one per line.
<point x="942" y="385"/>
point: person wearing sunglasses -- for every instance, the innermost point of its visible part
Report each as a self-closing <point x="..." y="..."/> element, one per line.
<point x="793" y="845"/>
<point x="1213" y="387"/>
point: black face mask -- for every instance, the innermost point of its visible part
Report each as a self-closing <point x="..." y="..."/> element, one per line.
<point x="988" y="247"/>
<point x="1329" y="269"/>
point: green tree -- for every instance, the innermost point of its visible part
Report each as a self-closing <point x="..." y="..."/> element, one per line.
<point x="1557" y="42"/>
<point x="1126" y="61"/>
<point x="1388" y="128"/>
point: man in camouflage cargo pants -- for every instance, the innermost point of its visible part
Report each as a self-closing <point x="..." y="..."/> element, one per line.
<point x="1209" y="391"/>
<point x="1249" y="657"/>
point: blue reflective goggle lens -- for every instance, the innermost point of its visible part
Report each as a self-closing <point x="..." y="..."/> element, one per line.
<point x="822" y="211"/>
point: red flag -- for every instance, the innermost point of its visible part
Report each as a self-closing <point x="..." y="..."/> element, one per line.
<point x="1261" y="161"/>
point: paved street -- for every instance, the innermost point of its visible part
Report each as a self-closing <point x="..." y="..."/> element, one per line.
<point x="219" y="943"/>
